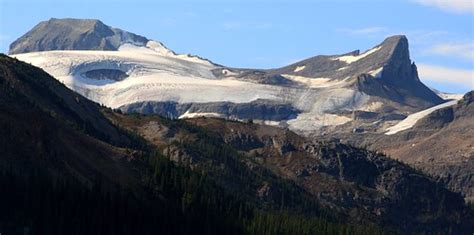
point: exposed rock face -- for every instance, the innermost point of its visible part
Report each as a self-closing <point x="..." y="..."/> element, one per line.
<point x="349" y="180"/>
<point x="357" y="184"/>
<point x="441" y="144"/>
<point x="258" y="110"/>
<point x="101" y="74"/>
<point x="73" y="34"/>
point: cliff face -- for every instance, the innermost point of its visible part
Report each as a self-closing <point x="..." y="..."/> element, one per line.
<point x="399" y="79"/>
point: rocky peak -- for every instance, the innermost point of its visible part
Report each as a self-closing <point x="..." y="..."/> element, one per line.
<point x="467" y="98"/>
<point x="398" y="75"/>
<point x="398" y="45"/>
<point x="73" y="34"/>
<point x="398" y="65"/>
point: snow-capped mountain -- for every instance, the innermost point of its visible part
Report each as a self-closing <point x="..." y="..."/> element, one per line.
<point x="366" y="91"/>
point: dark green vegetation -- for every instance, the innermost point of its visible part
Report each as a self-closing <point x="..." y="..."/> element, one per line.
<point x="65" y="168"/>
<point x="62" y="173"/>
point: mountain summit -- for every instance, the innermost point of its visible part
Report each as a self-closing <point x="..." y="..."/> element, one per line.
<point x="322" y="93"/>
<point x="73" y="34"/>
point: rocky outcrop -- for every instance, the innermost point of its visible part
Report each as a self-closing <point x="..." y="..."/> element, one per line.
<point x="399" y="79"/>
<point x="255" y="110"/>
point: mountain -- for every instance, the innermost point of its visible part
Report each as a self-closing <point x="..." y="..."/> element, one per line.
<point x="44" y="124"/>
<point x="143" y="174"/>
<point x="60" y="177"/>
<point x="357" y="184"/>
<point x="73" y="34"/>
<point x="438" y="141"/>
<point x="368" y="90"/>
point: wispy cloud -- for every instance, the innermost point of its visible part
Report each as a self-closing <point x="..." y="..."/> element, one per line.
<point x="443" y="74"/>
<point x="457" y="6"/>
<point x="457" y="49"/>
<point x="364" y="31"/>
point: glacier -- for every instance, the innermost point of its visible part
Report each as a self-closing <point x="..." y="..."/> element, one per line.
<point x="155" y="73"/>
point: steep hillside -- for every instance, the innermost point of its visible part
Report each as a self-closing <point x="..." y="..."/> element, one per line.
<point x="227" y="177"/>
<point x="58" y="176"/>
<point x="439" y="142"/>
<point x="442" y="144"/>
<point x="355" y="183"/>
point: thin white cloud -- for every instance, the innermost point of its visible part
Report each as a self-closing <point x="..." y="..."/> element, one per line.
<point x="443" y="74"/>
<point x="459" y="50"/>
<point x="364" y="31"/>
<point x="458" y="6"/>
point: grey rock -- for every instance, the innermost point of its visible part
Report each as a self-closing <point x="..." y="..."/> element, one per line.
<point x="73" y="34"/>
<point x="258" y="110"/>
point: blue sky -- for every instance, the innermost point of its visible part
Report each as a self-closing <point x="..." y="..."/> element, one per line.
<point x="266" y="34"/>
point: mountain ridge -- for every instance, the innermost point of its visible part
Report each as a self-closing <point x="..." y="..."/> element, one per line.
<point x="173" y="172"/>
<point x="314" y="95"/>
<point x="272" y="167"/>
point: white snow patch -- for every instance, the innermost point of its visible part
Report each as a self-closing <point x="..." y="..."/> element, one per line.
<point x="411" y="120"/>
<point x="350" y="58"/>
<point x="316" y="82"/>
<point x="187" y="114"/>
<point x="160" y="48"/>
<point x="310" y="121"/>
<point x="450" y="96"/>
<point x="447" y="96"/>
<point x="310" y="82"/>
<point x="299" y="68"/>
<point x="317" y="105"/>
<point x="271" y="123"/>
<point x="227" y="72"/>
<point x="376" y="73"/>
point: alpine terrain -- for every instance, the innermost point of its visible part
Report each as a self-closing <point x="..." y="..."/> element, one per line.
<point x="105" y="131"/>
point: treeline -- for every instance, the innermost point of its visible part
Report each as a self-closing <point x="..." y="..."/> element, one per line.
<point x="178" y="201"/>
<point x="36" y="197"/>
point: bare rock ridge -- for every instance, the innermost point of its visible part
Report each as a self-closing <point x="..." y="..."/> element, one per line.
<point x="73" y="34"/>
